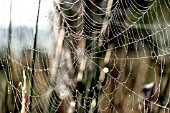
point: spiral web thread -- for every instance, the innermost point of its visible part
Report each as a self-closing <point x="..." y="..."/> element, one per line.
<point x="92" y="56"/>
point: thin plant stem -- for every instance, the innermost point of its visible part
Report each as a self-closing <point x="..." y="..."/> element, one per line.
<point x="24" y="91"/>
<point x="34" y="57"/>
<point x="162" y="97"/>
<point x="8" y="59"/>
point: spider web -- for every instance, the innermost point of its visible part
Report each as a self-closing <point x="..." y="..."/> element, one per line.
<point x="87" y="56"/>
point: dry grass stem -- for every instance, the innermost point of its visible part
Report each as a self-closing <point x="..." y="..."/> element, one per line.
<point x="106" y="61"/>
<point x="56" y="60"/>
<point x="82" y="57"/>
<point x="24" y="91"/>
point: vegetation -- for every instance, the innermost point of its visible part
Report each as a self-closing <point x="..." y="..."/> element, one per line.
<point x="105" y="57"/>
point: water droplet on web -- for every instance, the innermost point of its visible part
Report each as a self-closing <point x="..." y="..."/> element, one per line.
<point x="105" y="70"/>
<point x="72" y="103"/>
<point x="8" y="90"/>
<point x="93" y="103"/>
<point x="20" y="83"/>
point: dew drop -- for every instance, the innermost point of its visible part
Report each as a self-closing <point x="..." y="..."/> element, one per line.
<point x="105" y="70"/>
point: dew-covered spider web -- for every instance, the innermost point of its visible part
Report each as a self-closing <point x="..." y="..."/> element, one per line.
<point x="85" y="56"/>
